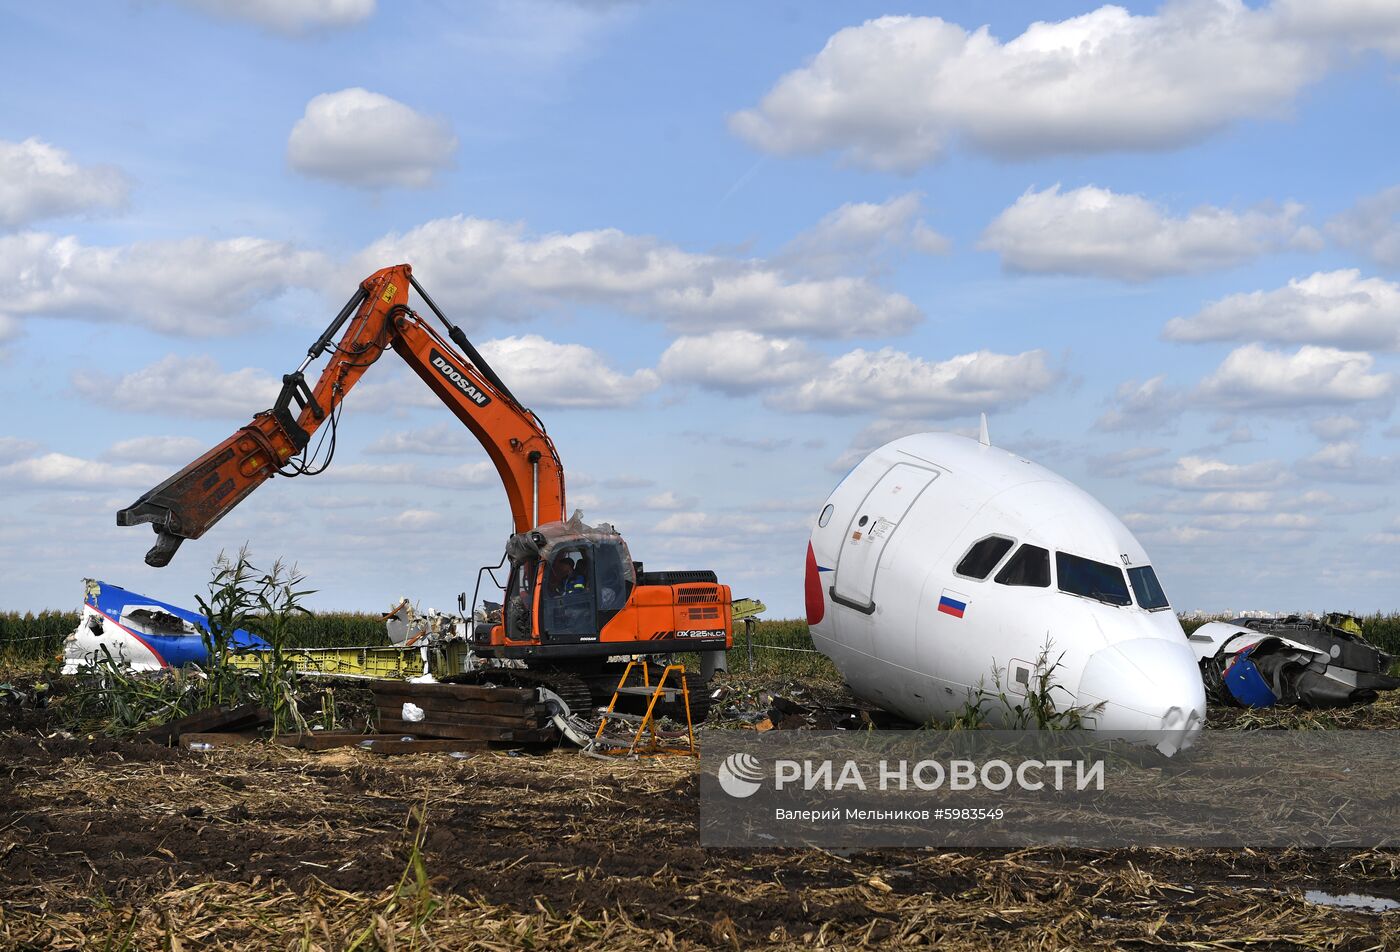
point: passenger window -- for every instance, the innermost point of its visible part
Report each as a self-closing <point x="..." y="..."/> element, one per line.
<point x="1030" y="566"/>
<point x="983" y="556"/>
<point x="1147" y="589"/>
<point x="1096" y="580"/>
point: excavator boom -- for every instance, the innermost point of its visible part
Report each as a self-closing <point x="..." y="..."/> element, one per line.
<point x="278" y="441"/>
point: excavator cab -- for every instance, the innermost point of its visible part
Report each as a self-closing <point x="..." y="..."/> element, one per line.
<point x="568" y="580"/>
<point x="569" y="597"/>
<point x="574" y="592"/>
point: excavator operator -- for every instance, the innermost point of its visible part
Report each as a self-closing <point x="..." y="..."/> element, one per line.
<point x="569" y="574"/>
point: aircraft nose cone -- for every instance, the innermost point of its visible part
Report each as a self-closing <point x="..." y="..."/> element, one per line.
<point x="1151" y="691"/>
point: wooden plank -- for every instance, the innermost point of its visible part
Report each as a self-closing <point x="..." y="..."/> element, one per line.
<point x="435" y="716"/>
<point x="218" y="719"/>
<point x="504" y="708"/>
<point x="465" y="692"/>
<point x="467" y="732"/>
<point x="428" y="746"/>
<point x="187" y="740"/>
<point x="320" y="741"/>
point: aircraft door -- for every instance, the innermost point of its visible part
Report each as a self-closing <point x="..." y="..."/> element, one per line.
<point x="872" y="524"/>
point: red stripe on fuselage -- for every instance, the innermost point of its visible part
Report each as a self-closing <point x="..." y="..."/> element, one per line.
<point x="144" y="643"/>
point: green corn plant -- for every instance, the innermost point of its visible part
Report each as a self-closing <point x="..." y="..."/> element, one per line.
<point x="1037" y="709"/>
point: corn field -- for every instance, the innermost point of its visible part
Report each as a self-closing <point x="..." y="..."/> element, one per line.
<point x="32" y="636"/>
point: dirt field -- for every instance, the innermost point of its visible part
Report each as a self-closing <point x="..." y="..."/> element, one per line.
<point x="126" y="845"/>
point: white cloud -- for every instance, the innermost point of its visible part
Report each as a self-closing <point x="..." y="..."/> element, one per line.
<point x="410" y="475"/>
<point x="468" y="474"/>
<point x="668" y="501"/>
<point x="737" y="362"/>
<point x="182" y="387"/>
<point x="894" y="92"/>
<point x="543" y="373"/>
<point x="195" y="287"/>
<point x="1389" y="535"/>
<point x="1095" y="231"/>
<point x="159" y="449"/>
<point x="414" y="519"/>
<point x="1319" y="500"/>
<point x="1122" y="462"/>
<point x="440" y="439"/>
<point x="1253" y="377"/>
<point x="540" y="372"/>
<point x="481" y="268"/>
<point x="1333" y="428"/>
<point x="361" y="138"/>
<point x="289" y="17"/>
<point x="374" y="473"/>
<point x="703" y="524"/>
<point x="1362" y="24"/>
<point x="14" y="448"/>
<point x="1141" y="407"/>
<point x="896" y="384"/>
<point x="1202" y="474"/>
<point x="1217" y="502"/>
<point x="1347" y="462"/>
<point x="39" y="181"/>
<point x="61" y="471"/>
<point x="860" y="232"/>
<point x="1328" y="307"/>
<point x="1256" y="522"/>
<point x="1372" y="226"/>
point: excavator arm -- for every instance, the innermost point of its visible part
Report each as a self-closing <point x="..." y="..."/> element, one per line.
<point x="278" y="441"/>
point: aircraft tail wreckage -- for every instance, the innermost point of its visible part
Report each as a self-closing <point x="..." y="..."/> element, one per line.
<point x="139" y="632"/>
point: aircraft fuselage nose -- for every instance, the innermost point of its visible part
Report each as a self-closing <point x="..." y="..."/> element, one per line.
<point x="1148" y="690"/>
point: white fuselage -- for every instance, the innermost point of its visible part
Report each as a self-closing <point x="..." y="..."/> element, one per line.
<point x="911" y="633"/>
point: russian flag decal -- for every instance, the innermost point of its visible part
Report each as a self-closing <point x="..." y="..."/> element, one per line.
<point x="952" y="603"/>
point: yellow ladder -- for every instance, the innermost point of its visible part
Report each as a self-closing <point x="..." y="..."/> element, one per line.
<point x="654" y="748"/>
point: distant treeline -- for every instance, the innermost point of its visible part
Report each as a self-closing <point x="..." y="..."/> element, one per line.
<point x="33" y="636"/>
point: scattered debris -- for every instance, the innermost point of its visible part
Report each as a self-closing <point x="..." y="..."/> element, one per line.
<point x="1351" y="901"/>
<point x="407" y="627"/>
<point x="139" y="632"/>
<point x="1309" y="662"/>
<point x="220" y="719"/>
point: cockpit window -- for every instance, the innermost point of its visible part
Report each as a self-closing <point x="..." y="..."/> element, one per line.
<point x="983" y="556"/>
<point x="1030" y="566"/>
<point x="1099" y="580"/>
<point x="1147" y="589"/>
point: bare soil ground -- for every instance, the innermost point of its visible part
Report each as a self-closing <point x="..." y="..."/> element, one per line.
<point x="121" y="844"/>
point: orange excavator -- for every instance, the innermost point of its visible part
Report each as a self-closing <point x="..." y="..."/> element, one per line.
<point x="575" y="604"/>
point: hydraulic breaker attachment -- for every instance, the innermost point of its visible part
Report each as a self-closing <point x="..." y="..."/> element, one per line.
<point x="188" y="503"/>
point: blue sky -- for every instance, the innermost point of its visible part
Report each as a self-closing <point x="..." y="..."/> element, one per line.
<point x="724" y="250"/>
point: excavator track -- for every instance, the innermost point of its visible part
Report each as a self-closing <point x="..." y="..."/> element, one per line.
<point x="570" y="688"/>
